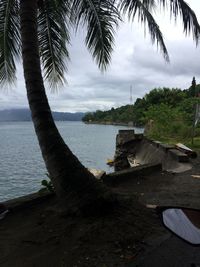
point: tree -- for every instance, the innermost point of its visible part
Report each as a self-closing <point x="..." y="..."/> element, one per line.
<point x="167" y="122"/>
<point x="40" y="31"/>
<point x="194" y="82"/>
<point x="192" y="89"/>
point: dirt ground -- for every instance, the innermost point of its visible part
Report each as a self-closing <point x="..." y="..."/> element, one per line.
<point x="38" y="236"/>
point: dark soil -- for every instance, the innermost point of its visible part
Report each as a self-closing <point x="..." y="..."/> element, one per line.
<point x="39" y="236"/>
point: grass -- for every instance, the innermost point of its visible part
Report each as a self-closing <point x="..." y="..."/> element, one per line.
<point x="186" y="141"/>
<point x="195" y="145"/>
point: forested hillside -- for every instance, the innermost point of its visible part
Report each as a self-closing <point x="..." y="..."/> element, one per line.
<point x="172" y="111"/>
<point x="25" y="115"/>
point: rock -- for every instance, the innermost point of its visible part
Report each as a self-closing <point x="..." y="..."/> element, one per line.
<point x="98" y="174"/>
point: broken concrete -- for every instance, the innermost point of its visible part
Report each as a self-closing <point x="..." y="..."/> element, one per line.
<point x="131" y="173"/>
<point x="178" y="155"/>
<point x="126" y="142"/>
<point x="131" y="147"/>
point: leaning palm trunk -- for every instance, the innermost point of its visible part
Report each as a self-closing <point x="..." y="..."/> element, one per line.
<point x="69" y="176"/>
<point x="49" y="42"/>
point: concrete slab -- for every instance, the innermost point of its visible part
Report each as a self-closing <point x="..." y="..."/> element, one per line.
<point x="131" y="173"/>
<point x="166" y="147"/>
<point x="178" y="155"/>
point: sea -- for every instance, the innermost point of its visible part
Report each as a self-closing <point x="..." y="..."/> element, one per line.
<point x="21" y="166"/>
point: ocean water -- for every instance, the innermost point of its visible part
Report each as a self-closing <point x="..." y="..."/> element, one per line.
<point x="21" y="164"/>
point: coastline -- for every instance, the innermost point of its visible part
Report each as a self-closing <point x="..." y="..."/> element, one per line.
<point x="126" y="124"/>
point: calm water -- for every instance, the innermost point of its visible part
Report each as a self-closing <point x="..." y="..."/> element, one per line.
<point x="21" y="164"/>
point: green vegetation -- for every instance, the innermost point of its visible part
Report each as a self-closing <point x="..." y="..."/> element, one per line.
<point x="123" y="114"/>
<point x="167" y="113"/>
<point x="48" y="184"/>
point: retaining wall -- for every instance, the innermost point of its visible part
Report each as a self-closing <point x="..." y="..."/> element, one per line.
<point x="145" y="151"/>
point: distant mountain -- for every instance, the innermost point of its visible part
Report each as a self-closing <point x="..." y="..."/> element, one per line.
<point x="24" y="115"/>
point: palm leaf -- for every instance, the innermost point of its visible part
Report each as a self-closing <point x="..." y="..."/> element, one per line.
<point x="10" y="44"/>
<point x="189" y="19"/>
<point x="100" y="18"/>
<point x="53" y="35"/>
<point x="143" y="8"/>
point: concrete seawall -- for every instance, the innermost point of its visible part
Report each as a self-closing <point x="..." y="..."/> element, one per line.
<point x="134" y="149"/>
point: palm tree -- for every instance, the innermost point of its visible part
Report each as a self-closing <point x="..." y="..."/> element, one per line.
<point x="39" y="31"/>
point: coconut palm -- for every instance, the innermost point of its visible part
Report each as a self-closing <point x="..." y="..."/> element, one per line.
<point x="39" y="32"/>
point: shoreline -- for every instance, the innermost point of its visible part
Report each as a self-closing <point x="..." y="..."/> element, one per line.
<point x="125" y="124"/>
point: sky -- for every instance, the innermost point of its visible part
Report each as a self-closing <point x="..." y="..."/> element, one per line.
<point x="135" y="63"/>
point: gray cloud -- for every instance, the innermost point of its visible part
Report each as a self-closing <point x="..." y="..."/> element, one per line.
<point x="135" y="62"/>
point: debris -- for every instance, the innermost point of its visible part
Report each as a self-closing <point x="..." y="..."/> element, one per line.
<point x="186" y="150"/>
<point x="196" y="176"/>
<point x="110" y="162"/>
<point x="151" y="206"/>
<point x="98" y="174"/>
<point x="132" y="161"/>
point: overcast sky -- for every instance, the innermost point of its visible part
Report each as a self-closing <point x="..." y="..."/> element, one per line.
<point x="135" y="62"/>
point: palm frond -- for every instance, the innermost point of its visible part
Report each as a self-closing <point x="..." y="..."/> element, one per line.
<point x="101" y="18"/>
<point x="189" y="19"/>
<point x="10" y="44"/>
<point x="150" y="4"/>
<point x="53" y="36"/>
<point x="142" y="9"/>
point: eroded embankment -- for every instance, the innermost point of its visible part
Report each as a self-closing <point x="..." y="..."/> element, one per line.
<point x="134" y="149"/>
